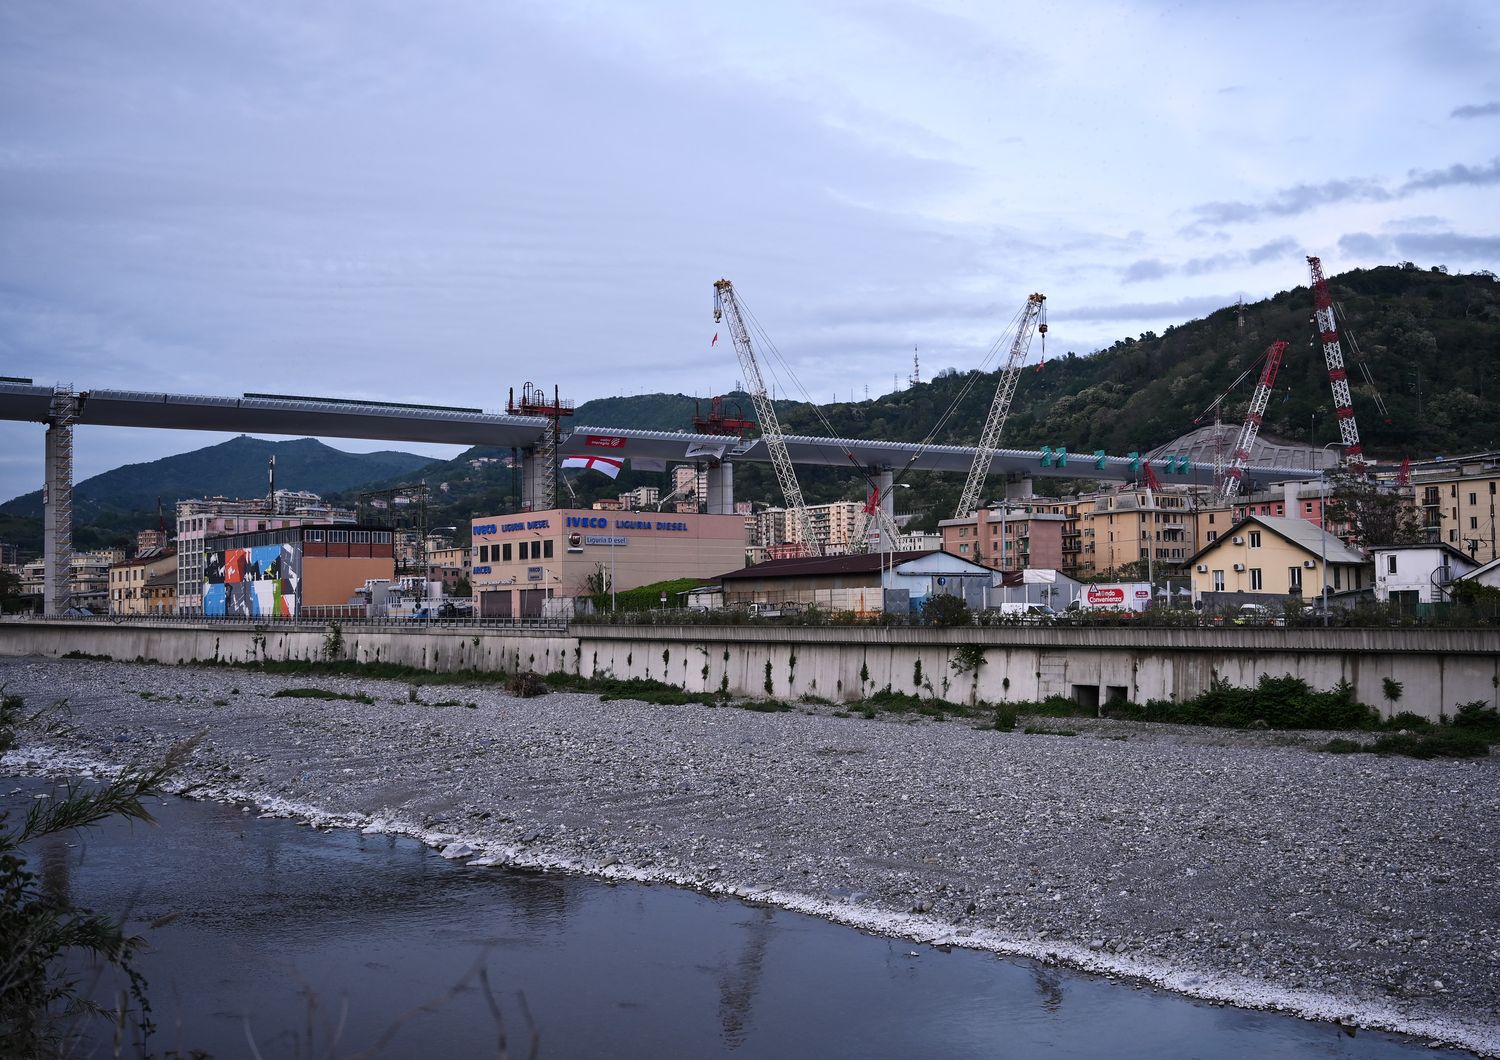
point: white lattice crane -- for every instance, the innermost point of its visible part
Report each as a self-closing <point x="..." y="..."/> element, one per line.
<point x="727" y="308"/>
<point x="1033" y="319"/>
<point x="1229" y="486"/>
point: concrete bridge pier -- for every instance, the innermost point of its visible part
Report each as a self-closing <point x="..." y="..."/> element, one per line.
<point x="57" y="503"/>
<point x="885" y="482"/>
<point x="721" y="488"/>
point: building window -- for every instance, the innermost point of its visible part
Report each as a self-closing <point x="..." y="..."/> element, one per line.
<point x="963" y="549"/>
<point x="1307" y="507"/>
<point x="1218" y="581"/>
<point x="1213" y="535"/>
<point x="1452" y="535"/>
<point x="1473" y="498"/>
<point x="505" y="552"/>
<point x="547" y="549"/>
<point x="1255" y="580"/>
<point x="1255" y="539"/>
<point x="1338" y="577"/>
<point x="484" y="553"/>
<point x="1473" y="522"/>
<point x="1294" y="579"/>
<point x="1390" y="564"/>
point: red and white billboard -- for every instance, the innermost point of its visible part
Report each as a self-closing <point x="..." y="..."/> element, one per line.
<point x="1124" y="596"/>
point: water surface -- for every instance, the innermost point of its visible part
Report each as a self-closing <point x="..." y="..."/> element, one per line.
<point x="297" y="938"/>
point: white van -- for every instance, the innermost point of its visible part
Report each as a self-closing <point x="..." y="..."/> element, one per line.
<point x="1028" y="612"/>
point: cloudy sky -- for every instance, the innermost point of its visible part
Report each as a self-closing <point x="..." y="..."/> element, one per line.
<point x="433" y="202"/>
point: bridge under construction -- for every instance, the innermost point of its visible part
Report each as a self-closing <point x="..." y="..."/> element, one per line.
<point x="538" y="438"/>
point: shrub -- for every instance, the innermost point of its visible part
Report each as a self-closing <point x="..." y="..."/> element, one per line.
<point x="1478" y="717"/>
<point x="525" y="684"/>
<point x="946" y="611"/>
<point x="320" y="693"/>
<point x="1442" y="743"/>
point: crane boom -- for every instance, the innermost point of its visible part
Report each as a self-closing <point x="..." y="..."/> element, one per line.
<point x="727" y="308"/>
<point x="1333" y="353"/>
<point x="1000" y="408"/>
<point x="1251" y="427"/>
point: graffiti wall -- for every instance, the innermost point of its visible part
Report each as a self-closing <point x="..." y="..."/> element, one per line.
<point x="250" y="582"/>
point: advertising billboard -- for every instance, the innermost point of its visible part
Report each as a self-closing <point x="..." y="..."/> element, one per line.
<point x="1126" y="596"/>
<point x="265" y="580"/>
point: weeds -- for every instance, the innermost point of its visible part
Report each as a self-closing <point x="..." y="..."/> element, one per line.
<point x="42" y="931"/>
<point x="321" y="693"/>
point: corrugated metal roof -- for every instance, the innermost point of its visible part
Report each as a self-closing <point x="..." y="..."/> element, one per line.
<point x="808" y="566"/>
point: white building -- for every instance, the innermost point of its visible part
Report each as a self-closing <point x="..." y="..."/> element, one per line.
<point x="1418" y="574"/>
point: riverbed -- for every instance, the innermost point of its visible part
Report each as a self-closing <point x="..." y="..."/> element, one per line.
<point x="1348" y="888"/>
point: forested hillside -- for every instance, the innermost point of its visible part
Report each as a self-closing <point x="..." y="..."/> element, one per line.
<point x="1431" y="342"/>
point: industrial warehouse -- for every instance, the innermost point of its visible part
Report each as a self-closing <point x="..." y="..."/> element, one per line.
<point x="521" y="561"/>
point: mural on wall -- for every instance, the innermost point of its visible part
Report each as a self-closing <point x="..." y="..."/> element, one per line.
<point x="253" y="582"/>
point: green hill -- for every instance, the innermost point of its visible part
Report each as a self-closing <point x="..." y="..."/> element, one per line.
<point x="1431" y="342"/>
<point x="113" y="505"/>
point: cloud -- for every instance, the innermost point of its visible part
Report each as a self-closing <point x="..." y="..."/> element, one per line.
<point x="1182" y="309"/>
<point x="1302" y="198"/>
<point x="1146" y="269"/>
<point x="1458" y="173"/>
<point x="1155" y="269"/>
<point x="1476" y="110"/>
<point x="1289" y="202"/>
<point x="1442" y="247"/>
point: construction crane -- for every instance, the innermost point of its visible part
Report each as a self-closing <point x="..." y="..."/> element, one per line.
<point x="1229" y="487"/>
<point x="1333" y="353"/>
<point x="727" y="309"/>
<point x="1033" y="318"/>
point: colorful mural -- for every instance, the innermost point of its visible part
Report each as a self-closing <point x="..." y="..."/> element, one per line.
<point x="252" y="582"/>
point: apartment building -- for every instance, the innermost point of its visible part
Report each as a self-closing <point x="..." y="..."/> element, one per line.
<point x="135" y="585"/>
<point x="1456" y="502"/>
<point x="1135" y="524"/>
<point x="199" y="520"/>
<point x="1009" y="536"/>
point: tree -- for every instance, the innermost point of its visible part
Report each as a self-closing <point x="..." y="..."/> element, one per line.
<point x="40" y="1006"/>
<point x="944" y="610"/>
<point x="1374" y="515"/>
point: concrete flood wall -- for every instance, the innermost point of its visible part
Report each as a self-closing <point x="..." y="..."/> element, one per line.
<point x="1438" y="669"/>
<point x="432" y="648"/>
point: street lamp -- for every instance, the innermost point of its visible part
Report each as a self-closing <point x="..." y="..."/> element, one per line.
<point x="1323" y="526"/>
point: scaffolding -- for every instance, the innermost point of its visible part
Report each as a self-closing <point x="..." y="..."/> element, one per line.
<point x="58" y="501"/>
<point x="543" y="484"/>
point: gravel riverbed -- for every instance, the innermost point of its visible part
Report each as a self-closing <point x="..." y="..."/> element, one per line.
<point x="1240" y="867"/>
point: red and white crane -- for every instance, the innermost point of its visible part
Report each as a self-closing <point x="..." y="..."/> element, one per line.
<point x="1338" y="377"/>
<point x="1229" y="486"/>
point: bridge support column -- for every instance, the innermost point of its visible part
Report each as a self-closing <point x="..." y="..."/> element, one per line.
<point x="57" y="504"/>
<point x="538" y="481"/>
<point x="721" y="488"/>
<point x="885" y="482"/>
<point x="1022" y="489"/>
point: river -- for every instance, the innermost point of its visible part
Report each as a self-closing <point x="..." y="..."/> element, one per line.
<point x="317" y="943"/>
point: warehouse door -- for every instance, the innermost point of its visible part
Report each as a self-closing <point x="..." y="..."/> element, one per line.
<point x="494" y="604"/>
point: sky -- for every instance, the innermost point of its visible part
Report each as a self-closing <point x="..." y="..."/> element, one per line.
<point x="436" y="202"/>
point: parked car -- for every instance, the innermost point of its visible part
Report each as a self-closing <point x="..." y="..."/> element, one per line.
<point x="1023" y="612"/>
<point x="1258" y="615"/>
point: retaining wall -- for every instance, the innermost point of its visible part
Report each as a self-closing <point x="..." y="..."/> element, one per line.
<point x="1438" y="669"/>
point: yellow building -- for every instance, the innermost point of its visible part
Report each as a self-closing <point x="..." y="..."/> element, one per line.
<point x="135" y="586"/>
<point x="1135" y="524"/>
<point x="521" y="561"/>
<point x="1456" y="504"/>
<point x="1262" y="557"/>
